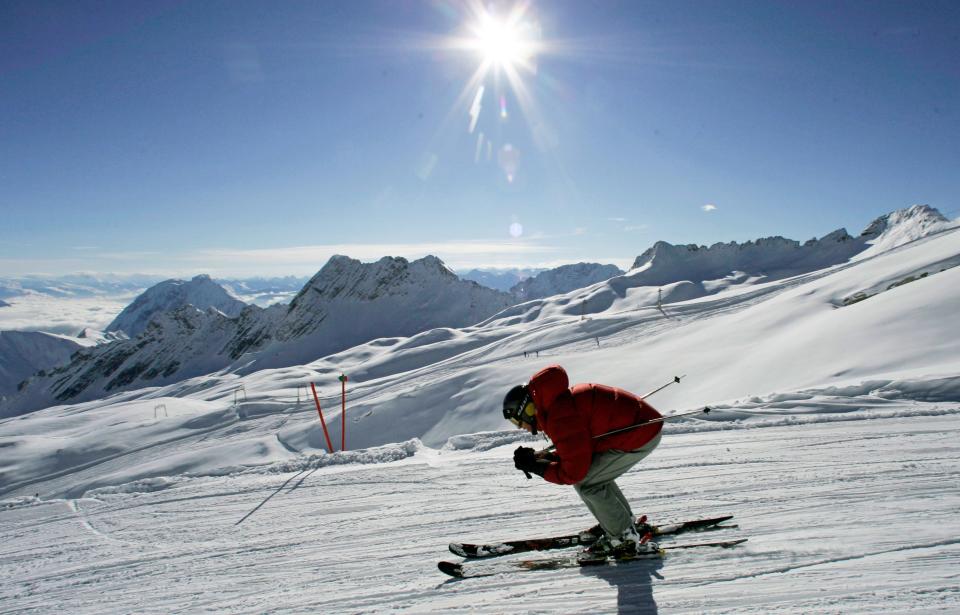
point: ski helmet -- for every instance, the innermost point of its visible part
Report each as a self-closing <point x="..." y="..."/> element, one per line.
<point x="518" y="407"/>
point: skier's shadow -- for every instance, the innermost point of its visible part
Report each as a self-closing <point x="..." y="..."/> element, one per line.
<point x="634" y="583"/>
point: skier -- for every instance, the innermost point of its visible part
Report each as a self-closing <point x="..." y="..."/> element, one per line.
<point x="571" y="417"/>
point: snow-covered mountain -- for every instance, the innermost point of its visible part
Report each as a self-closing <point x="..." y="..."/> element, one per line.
<point x="775" y="258"/>
<point x="563" y="279"/>
<point x="771" y="258"/>
<point x="24" y="353"/>
<point x="201" y="292"/>
<point x="499" y="279"/>
<point x="903" y="226"/>
<point x="346" y="303"/>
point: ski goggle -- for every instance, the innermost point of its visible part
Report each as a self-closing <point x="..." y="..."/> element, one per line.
<point x="524" y="414"/>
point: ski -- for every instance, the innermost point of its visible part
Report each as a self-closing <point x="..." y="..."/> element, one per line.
<point x="588" y="537"/>
<point x="485" y="569"/>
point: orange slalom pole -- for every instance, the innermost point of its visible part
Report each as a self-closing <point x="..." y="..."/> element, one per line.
<point x="322" y="422"/>
<point x="343" y="412"/>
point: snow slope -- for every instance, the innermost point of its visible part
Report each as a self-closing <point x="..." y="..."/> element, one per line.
<point x="836" y="396"/>
<point x="857" y="515"/>
<point x="23" y="353"/>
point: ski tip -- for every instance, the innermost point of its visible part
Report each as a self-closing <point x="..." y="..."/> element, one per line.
<point x="457" y="549"/>
<point x="450" y="568"/>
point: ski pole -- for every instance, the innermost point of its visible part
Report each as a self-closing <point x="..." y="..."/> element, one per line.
<point x="705" y="410"/>
<point x="676" y="380"/>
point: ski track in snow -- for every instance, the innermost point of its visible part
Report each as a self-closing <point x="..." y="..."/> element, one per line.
<point x="846" y="516"/>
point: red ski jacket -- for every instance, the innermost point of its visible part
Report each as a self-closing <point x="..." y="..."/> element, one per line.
<point x="572" y="416"/>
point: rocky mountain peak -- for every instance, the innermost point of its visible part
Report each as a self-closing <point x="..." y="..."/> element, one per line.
<point x="201" y="292"/>
<point x="920" y="217"/>
<point x="344" y="277"/>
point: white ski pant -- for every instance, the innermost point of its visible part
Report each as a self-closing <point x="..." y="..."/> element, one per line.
<point x="602" y="495"/>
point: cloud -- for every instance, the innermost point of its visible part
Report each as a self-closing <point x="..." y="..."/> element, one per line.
<point x="636" y="227"/>
<point x="709" y="207"/>
<point x="616" y="219"/>
<point x="65" y="315"/>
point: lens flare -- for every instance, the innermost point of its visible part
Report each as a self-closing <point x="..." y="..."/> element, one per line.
<point x="509" y="159"/>
<point x="475" y="109"/>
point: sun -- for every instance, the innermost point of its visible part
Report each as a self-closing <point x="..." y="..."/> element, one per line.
<point x="502" y="44"/>
<point x="506" y="46"/>
<point x="507" y="41"/>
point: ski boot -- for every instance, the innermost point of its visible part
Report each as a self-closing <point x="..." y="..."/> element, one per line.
<point x="632" y="546"/>
<point x="597" y="553"/>
<point x="628" y="545"/>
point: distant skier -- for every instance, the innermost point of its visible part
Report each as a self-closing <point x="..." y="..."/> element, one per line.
<point x="570" y="417"/>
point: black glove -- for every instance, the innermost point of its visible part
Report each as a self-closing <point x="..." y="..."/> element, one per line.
<point x="525" y="460"/>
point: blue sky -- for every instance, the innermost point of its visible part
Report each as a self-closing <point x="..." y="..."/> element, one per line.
<point x="259" y="138"/>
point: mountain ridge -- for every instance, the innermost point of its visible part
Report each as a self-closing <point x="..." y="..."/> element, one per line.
<point x="346" y="303"/>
